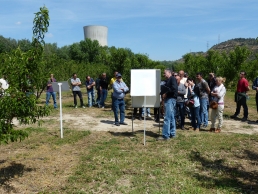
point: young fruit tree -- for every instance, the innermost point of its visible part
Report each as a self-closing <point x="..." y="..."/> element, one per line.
<point x="21" y="70"/>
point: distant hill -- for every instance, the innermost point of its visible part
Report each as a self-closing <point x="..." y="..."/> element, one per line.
<point x="250" y="43"/>
<point x="227" y="46"/>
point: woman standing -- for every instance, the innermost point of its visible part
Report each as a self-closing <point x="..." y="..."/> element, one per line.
<point x="195" y="109"/>
<point x="218" y="94"/>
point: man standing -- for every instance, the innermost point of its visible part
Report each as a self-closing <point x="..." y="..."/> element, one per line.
<point x="241" y="96"/>
<point x="180" y="103"/>
<point x="90" y="83"/>
<point x="103" y="86"/>
<point x="119" y="90"/>
<point x="212" y="83"/>
<point x="183" y="81"/>
<point x="97" y="82"/>
<point x="169" y="93"/>
<point x="50" y="91"/>
<point x="113" y="79"/>
<point x="255" y="87"/>
<point x="204" y="99"/>
<point x="76" y="82"/>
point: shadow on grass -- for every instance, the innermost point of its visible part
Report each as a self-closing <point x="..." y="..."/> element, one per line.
<point x="134" y="134"/>
<point x="107" y="122"/>
<point x="252" y="122"/>
<point x="217" y="173"/>
<point x="253" y="157"/>
<point x="10" y="172"/>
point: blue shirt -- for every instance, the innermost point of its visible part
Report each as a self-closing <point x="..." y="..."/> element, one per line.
<point x="117" y="88"/>
<point x="88" y="83"/>
<point x="255" y="84"/>
<point x="195" y="98"/>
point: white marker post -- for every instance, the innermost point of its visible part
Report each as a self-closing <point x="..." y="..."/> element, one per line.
<point x="60" y="105"/>
<point x="145" y="113"/>
<point x="145" y="94"/>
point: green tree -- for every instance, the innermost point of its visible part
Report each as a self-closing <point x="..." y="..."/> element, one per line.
<point x="21" y="69"/>
<point x="235" y="61"/>
<point x="91" y="50"/>
<point x="7" y="44"/>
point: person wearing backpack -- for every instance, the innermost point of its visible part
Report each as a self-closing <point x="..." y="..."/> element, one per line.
<point x="204" y="99"/>
<point x="255" y="87"/>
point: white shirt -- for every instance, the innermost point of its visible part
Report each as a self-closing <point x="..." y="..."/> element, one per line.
<point x="221" y="91"/>
<point x="182" y="81"/>
<point x="4" y="84"/>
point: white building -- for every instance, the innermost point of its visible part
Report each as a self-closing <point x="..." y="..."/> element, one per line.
<point x="98" y="33"/>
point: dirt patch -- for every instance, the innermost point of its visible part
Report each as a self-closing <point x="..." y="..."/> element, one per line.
<point x="93" y="123"/>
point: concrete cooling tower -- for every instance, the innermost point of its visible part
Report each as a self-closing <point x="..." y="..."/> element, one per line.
<point x="98" y="33"/>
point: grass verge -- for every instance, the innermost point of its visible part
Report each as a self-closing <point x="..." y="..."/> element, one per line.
<point x="191" y="163"/>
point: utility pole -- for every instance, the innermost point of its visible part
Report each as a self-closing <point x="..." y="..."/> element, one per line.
<point x="207" y="45"/>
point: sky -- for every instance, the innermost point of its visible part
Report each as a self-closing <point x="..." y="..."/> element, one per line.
<point x="161" y="29"/>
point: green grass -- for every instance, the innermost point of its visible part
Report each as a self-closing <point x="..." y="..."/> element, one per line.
<point x="118" y="162"/>
<point x="195" y="163"/>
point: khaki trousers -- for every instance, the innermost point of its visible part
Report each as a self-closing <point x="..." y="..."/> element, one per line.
<point x="217" y="113"/>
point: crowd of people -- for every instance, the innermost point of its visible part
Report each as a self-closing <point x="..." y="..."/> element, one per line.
<point x="180" y="96"/>
<point x="199" y="96"/>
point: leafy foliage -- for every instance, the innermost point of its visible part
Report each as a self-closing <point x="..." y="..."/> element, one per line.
<point x="23" y="71"/>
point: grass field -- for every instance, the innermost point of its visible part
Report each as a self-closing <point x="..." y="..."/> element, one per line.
<point x="87" y="161"/>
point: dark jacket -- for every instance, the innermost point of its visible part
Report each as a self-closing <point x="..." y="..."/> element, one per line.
<point x="104" y="83"/>
<point x="170" y="88"/>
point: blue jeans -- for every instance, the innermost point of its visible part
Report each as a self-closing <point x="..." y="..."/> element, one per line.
<point x="195" y="113"/>
<point x="180" y="108"/>
<point x="169" y="126"/>
<point x="98" y="96"/>
<point x="48" y="95"/>
<point x="103" y="96"/>
<point x="144" y="110"/>
<point x="203" y="111"/>
<point x="256" y="100"/>
<point x="91" y="98"/>
<point x="119" y="104"/>
<point x="112" y="98"/>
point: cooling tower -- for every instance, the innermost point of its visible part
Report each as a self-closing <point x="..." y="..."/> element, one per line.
<point x="98" y="33"/>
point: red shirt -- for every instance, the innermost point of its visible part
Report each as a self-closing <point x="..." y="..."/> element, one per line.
<point x="242" y="85"/>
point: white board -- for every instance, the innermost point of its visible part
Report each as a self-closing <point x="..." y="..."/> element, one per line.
<point x="152" y="90"/>
<point x="151" y="101"/>
<point x="143" y="82"/>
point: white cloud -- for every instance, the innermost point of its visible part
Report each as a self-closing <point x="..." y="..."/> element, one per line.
<point x="18" y="23"/>
<point x="49" y="35"/>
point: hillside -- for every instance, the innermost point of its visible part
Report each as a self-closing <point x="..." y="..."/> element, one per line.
<point x="250" y="43"/>
<point x="227" y="46"/>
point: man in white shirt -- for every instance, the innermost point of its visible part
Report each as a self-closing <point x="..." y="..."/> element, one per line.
<point x="76" y="82"/>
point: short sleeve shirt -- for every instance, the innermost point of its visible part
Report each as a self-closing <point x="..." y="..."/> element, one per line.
<point x="203" y="85"/>
<point x="242" y="85"/>
<point x="75" y="88"/>
<point x="87" y="83"/>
